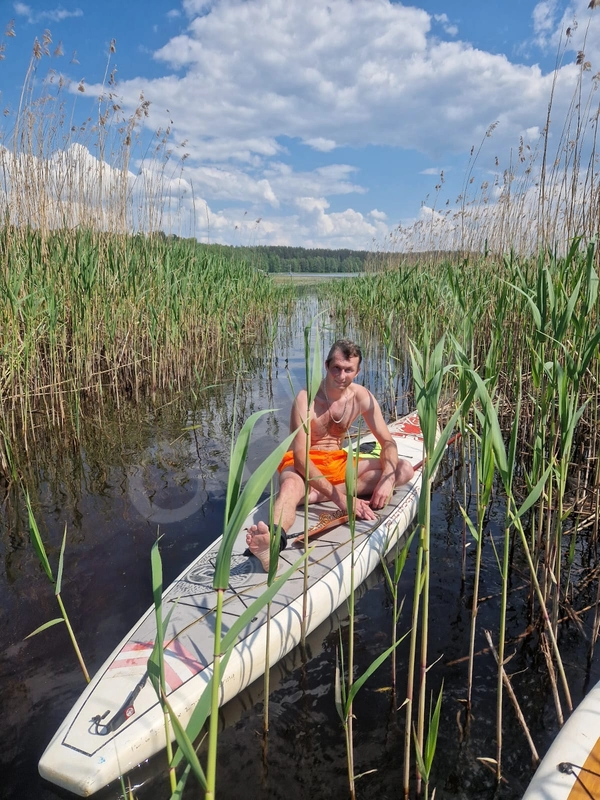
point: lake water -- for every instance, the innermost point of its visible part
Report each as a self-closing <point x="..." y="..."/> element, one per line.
<point x="142" y="473"/>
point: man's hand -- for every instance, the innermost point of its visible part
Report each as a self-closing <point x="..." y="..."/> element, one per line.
<point x="363" y="510"/>
<point x="382" y="493"/>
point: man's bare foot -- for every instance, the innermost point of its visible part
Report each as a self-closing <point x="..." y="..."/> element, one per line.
<point x="258" y="540"/>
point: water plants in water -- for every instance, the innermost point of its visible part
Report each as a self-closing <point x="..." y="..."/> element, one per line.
<point x="100" y="316"/>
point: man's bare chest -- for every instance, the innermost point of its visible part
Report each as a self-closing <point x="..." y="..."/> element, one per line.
<point x="325" y="434"/>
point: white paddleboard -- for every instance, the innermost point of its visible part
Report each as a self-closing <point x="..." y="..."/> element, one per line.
<point x="570" y="770"/>
<point x="117" y="723"/>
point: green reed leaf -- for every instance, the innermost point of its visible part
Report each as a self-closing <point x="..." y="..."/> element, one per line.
<point x="535" y="493"/>
<point x="61" y="559"/>
<point x="178" y="793"/>
<point x="590" y="349"/>
<point x="36" y="540"/>
<point x="243" y="506"/>
<point x="434" y="459"/>
<point x="470" y="524"/>
<point x="535" y="312"/>
<point x="362" y="679"/>
<point x="239" y="455"/>
<point x="156" y="661"/>
<point x="565" y="318"/>
<point x="495" y="432"/>
<point x="185" y="745"/>
<point x="432" y="732"/>
<point x="44" y="627"/>
<point x="419" y="758"/>
<point x="313" y="377"/>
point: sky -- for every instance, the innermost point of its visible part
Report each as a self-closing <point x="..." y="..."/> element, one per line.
<point x="315" y="123"/>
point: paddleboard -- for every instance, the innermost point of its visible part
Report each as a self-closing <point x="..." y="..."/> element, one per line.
<point x="117" y="723"/>
<point x="570" y="770"/>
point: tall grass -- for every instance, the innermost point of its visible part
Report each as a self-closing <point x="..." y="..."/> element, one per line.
<point x="525" y="335"/>
<point x="95" y="298"/>
<point x="542" y="193"/>
<point x="84" y="314"/>
<point x="97" y="306"/>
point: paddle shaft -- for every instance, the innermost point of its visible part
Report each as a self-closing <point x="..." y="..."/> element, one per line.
<point x="451" y="440"/>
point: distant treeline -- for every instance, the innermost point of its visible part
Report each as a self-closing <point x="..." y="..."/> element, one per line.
<point x="278" y="258"/>
<point x="300" y="259"/>
<point x="297" y="259"/>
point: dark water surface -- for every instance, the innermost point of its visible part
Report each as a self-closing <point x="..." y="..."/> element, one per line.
<point x="145" y="473"/>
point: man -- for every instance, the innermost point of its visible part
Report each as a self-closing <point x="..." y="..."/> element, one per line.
<point x="337" y="404"/>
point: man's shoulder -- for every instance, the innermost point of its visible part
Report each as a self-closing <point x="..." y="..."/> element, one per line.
<point x="363" y="395"/>
<point x="301" y="399"/>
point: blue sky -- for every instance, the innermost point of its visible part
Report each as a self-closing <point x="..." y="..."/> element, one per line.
<point x="329" y="121"/>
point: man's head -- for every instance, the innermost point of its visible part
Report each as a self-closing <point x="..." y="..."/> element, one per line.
<point x="346" y="348"/>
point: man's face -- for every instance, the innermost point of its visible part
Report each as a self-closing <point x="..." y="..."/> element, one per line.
<point x="342" y="371"/>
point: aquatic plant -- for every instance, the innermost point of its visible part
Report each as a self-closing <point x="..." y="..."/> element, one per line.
<point x="40" y="550"/>
<point x="239" y="503"/>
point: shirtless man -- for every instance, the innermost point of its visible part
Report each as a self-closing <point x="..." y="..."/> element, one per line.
<point x="337" y="404"/>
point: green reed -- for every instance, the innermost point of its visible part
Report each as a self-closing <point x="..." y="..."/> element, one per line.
<point x="313" y="370"/>
<point x="392" y="579"/>
<point x="274" y="550"/>
<point x="429" y="374"/>
<point x="85" y="314"/>
<point x="426" y="754"/>
<point x="525" y="334"/>
<point x="238" y="504"/>
<point x="37" y="542"/>
<point x="347" y="685"/>
<point x="40" y="550"/>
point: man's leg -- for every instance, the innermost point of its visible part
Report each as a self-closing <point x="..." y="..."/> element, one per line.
<point x="369" y="473"/>
<point x="291" y="492"/>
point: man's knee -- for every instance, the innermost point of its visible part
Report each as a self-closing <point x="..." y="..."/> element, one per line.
<point x="291" y="486"/>
<point x="404" y="472"/>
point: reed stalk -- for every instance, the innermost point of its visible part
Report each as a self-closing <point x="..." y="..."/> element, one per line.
<point x="40" y="550"/>
<point x="313" y="381"/>
<point x="428" y="377"/>
<point x="392" y="579"/>
<point x="485" y="470"/>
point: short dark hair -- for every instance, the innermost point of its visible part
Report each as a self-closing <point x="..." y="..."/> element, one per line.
<point x="347" y="348"/>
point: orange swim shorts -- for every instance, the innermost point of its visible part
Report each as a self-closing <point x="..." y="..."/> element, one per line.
<point x="330" y="463"/>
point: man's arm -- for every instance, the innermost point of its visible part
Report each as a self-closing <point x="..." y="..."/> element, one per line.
<point x="389" y="452"/>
